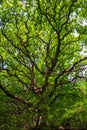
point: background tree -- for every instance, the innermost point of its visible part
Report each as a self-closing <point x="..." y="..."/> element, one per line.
<point x="42" y="44"/>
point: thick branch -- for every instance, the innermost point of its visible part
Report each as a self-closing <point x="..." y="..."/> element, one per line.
<point x="70" y="69"/>
<point x="13" y="96"/>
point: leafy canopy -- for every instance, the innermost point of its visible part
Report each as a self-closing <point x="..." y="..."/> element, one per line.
<point x="43" y="50"/>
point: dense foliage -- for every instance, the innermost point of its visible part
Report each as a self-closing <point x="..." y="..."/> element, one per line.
<point x="43" y="64"/>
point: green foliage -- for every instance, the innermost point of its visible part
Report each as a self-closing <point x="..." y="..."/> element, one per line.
<point x="43" y="76"/>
